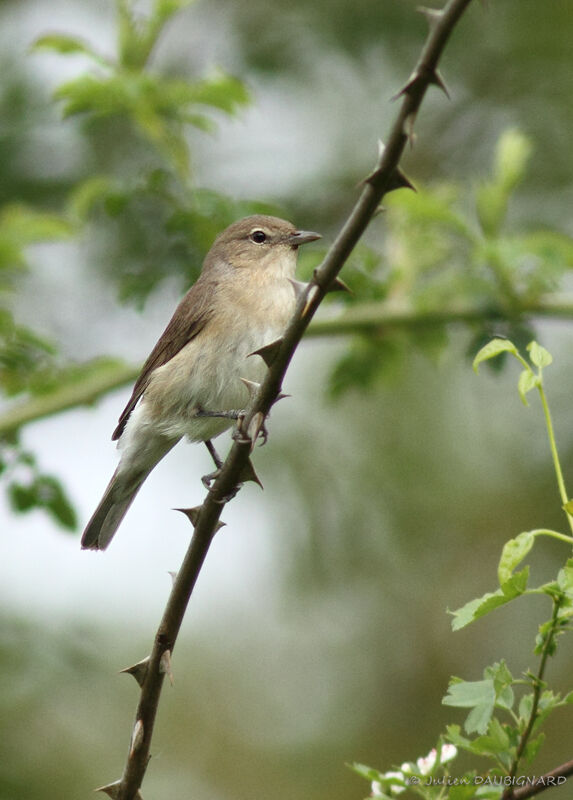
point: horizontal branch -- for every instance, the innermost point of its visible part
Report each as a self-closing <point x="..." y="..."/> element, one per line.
<point x="362" y="318"/>
<point x="373" y="317"/>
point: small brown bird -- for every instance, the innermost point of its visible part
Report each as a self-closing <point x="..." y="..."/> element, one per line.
<point x="241" y="302"/>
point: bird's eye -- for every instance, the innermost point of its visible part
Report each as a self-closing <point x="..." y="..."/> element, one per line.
<point x="258" y="237"/>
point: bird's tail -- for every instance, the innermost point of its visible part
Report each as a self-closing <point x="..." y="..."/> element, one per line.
<point x="107" y="517"/>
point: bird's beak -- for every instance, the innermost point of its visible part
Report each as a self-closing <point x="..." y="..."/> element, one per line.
<point x="302" y="237"/>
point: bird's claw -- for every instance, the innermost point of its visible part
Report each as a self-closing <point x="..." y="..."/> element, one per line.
<point x="255" y="429"/>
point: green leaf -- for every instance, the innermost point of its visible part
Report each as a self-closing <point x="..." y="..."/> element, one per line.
<point x="66" y="45"/>
<point x="481" y="606"/>
<point x="514" y="551"/>
<point x="465" y="790"/>
<point x="454" y="735"/>
<point x="493" y="742"/>
<point x="528" y="380"/>
<point x="52" y="497"/>
<point x="539" y="355"/>
<point x="512" y="155"/>
<point x="368" y="773"/>
<point x="493" y="349"/>
<point x="565" y="577"/>
<point x="533" y="747"/>
<point x="525" y="707"/>
<point x="477" y="695"/>
<point x="28" y="226"/>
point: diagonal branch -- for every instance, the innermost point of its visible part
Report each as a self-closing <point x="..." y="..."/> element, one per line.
<point x="206" y="518"/>
<point x="555" y="777"/>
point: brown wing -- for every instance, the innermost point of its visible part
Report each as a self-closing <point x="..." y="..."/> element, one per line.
<point x="190" y="317"/>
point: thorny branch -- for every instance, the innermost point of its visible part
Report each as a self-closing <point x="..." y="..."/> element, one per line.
<point x="206" y="518"/>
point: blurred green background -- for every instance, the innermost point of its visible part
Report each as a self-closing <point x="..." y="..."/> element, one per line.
<point x="318" y="634"/>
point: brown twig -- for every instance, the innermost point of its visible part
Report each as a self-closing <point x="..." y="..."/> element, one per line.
<point x="206" y="518"/>
<point x="547" y="781"/>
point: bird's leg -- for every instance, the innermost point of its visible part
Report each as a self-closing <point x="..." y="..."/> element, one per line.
<point x="230" y="414"/>
<point x="217" y="460"/>
<point x="207" y="480"/>
<point x="247" y="474"/>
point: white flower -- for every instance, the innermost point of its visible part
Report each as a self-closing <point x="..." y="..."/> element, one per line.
<point x="395" y="788"/>
<point x="426" y="764"/>
<point x="376" y="789"/>
<point x="448" y="752"/>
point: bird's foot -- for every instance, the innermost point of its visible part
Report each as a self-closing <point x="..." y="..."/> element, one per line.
<point x="255" y="429"/>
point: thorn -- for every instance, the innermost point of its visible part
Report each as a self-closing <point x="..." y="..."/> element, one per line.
<point x="399" y="181"/>
<point x="112" y="789"/>
<point x="136" y="738"/>
<point x="252" y="387"/>
<point x="248" y="474"/>
<point x="338" y="285"/>
<point x="408" y="87"/>
<point x="299" y="287"/>
<point x="165" y="665"/>
<point x="311" y="295"/>
<point x="438" y="81"/>
<point x="256" y="426"/>
<point x="433" y="15"/>
<point x="269" y="352"/>
<point x="192" y="515"/>
<point x="281" y="396"/>
<point x="139" y="671"/>
<point x="172" y="573"/>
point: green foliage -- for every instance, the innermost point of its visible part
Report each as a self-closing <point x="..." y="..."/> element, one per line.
<point x="451" y="256"/>
<point x="150" y="206"/>
<point x="506" y="713"/>
<point x="29" y="489"/>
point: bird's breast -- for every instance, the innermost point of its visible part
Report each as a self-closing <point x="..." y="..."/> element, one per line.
<point x="206" y="373"/>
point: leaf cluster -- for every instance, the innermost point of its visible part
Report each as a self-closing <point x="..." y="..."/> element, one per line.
<point x="506" y="714"/>
<point x="451" y="255"/>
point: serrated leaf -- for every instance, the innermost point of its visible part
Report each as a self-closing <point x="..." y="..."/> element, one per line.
<point x="493" y="349"/>
<point x="514" y="551"/>
<point x="477" y="695"/>
<point x="481" y="606"/>
<point x="528" y="380"/>
<point x="539" y="355"/>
